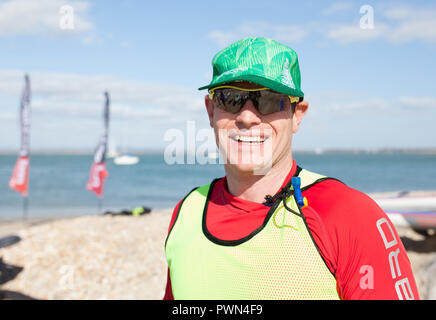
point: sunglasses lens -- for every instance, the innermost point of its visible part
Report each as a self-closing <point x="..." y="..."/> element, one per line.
<point x="271" y="102"/>
<point x="229" y="100"/>
<point x="266" y="102"/>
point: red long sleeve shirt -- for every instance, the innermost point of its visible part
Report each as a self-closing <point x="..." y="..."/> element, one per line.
<point x="355" y="237"/>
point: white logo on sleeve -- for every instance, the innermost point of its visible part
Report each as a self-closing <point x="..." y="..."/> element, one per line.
<point x="402" y="286"/>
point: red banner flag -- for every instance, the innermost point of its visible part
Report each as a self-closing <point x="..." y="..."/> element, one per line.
<point x="20" y="176"/>
<point x="98" y="169"/>
<point x="96" y="178"/>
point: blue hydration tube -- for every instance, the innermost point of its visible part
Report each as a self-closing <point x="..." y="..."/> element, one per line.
<point x="296" y="184"/>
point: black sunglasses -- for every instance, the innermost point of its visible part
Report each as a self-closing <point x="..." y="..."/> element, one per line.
<point x="232" y="99"/>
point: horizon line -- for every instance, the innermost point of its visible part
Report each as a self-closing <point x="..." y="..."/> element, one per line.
<point x="57" y="151"/>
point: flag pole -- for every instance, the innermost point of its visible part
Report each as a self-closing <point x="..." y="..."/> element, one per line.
<point x="25" y="208"/>
<point x="26" y="199"/>
<point x="100" y="205"/>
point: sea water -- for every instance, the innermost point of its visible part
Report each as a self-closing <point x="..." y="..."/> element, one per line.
<point x="57" y="182"/>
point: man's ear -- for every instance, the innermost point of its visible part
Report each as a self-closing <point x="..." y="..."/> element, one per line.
<point x="300" y="111"/>
<point x="209" y="109"/>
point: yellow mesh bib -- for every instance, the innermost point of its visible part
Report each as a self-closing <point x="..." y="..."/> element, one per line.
<point x="279" y="260"/>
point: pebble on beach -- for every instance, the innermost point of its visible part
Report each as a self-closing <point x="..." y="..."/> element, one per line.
<point x="122" y="257"/>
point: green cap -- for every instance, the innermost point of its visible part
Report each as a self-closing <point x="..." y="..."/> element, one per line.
<point x="262" y="61"/>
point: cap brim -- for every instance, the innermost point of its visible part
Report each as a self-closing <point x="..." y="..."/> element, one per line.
<point x="264" y="82"/>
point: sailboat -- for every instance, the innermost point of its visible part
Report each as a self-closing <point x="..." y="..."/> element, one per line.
<point x="126" y="159"/>
<point x="122" y="158"/>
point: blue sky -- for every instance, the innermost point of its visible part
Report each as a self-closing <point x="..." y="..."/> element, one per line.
<point x="367" y="88"/>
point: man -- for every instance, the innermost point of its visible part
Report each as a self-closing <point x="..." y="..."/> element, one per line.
<point x="270" y="229"/>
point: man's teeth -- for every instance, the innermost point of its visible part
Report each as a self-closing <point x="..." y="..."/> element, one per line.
<point x="251" y="139"/>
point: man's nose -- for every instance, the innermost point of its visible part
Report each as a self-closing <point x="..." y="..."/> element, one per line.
<point x="248" y="116"/>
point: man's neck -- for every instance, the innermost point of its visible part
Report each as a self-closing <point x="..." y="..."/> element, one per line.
<point x="252" y="187"/>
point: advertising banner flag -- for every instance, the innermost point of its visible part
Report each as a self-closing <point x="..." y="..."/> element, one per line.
<point x="20" y="176"/>
<point x="98" y="169"/>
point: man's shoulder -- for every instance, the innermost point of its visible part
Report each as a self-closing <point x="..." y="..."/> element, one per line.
<point x="335" y="201"/>
<point x="335" y="189"/>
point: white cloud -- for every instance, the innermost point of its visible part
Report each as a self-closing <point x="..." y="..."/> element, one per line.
<point x="410" y="23"/>
<point x="417" y="102"/>
<point x="337" y="7"/>
<point x="396" y="24"/>
<point x="352" y="103"/>
<point x="353" y="33"/>
<point x="67" y="110"/>
<point x="7" y="116"/>
<point x="61" y="94"/>
<point x="351" y="106"/>
<point x="23" y="17"/>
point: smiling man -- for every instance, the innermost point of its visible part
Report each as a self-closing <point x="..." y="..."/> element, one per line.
<point x="270" y="229"/>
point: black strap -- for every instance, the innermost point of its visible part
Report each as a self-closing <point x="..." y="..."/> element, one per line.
<point x="284" y="192"/>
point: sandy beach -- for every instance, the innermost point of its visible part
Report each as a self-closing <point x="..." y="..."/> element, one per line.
<point x="122" y="257"/>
